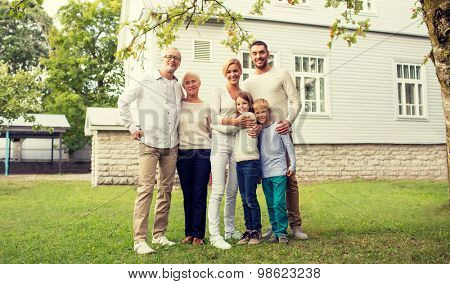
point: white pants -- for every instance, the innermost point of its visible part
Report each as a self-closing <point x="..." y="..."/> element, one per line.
<point x="222" y="154"/>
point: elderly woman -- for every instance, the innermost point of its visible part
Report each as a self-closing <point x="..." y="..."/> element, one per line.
<point x="223" y="113"/>
<point x="193" y="163"/>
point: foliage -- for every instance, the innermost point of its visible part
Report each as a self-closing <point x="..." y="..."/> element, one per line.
<point x="18" y="8"/>
<point x="348" y="222"/>
<point x="23" y="41"/>
<point x="165" y="22"/>
<point x="341" y="28"/>
<point x="82" y="62"/>
<point x="73" y="107"/>
<point x="82" y="57"/>
<point x="20" y="95"/>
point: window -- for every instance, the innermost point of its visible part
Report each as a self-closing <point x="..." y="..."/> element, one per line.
<point x="310" y="82"/>
<point x="248" y="66"/>
<point x="367" y="6"/>
<point x="410" y="90"/>
<point x="202" y="50"/>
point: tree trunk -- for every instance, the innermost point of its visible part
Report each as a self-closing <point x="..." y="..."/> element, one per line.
<point x="437" y="18"/>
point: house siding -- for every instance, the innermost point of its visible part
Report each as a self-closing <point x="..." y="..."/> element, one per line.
<point x="361" y="82"/>
<point x="361" y="135"/>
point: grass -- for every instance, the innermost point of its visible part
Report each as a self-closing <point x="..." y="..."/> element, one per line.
<point x="348" y="222"/>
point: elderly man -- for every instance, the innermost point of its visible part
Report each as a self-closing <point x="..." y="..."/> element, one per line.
<point x="277" y="87"/>
<point x="158" y="96"/>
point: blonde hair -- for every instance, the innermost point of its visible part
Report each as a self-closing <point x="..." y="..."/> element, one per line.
<point x="229" y="62"/>
<point x="191" y="73"/>
<point x="261" y="103"/>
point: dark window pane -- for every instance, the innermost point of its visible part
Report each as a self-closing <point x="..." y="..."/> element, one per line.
<point x="405" y="72"/>
<point x="246" y="60"/>
<point x="399" y="71"/>
<point x="310" y="88"/>
<point x="409" y="92"/>
<point x="320" y="65"/>
<point x="305" y="64"/>
<point x="412" y="72"/>
<point x="298" y="63"/>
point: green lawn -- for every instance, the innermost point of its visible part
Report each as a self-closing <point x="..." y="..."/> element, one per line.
<point x="348" y="222"/>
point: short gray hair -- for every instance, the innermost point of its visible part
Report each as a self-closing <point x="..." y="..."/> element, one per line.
<point x="191" y="73"/>
<point x="164" y="51"/>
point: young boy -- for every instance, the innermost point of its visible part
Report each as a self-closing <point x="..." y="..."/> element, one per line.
<point x="273" y="147"/>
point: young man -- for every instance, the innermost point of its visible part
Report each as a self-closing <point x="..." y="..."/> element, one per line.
<point x="277" y="87"/>
<point x="158" y="96"/>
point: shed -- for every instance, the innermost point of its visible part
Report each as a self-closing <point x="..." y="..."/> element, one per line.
<point x="50" y="126"/>
<point x="115" y="156"/>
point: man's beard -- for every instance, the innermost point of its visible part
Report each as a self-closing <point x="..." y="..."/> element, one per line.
<point x="170" y="69"/>
<point x="262" y="66"/>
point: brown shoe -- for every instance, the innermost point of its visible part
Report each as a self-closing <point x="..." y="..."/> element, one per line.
<point x="187" y="240"/>
<point x="198" y="242"/>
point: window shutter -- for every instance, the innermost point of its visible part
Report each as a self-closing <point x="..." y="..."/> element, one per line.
<point x="202" y="50"/>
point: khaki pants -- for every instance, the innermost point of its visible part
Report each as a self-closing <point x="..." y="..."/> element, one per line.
<point x="292" y="199"/>
<point x="149" y="158"/>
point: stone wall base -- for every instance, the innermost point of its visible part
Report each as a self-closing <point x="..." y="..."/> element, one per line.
<point x="115" y="160"/>
<point x="320" y="162"/>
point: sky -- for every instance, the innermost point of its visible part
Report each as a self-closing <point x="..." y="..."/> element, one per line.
<point x="52" y="6"/>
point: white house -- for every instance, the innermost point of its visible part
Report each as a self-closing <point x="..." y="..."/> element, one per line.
<point x="371" y="110"/>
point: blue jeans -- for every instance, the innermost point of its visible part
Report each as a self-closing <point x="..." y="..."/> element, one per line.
<point x="248" y="174"/>
<point x="193" y="168"/>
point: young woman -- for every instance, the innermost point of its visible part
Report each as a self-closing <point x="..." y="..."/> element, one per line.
<point x="223" y="113"/>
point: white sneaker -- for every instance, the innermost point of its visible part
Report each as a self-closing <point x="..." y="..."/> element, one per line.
<point x="220" y="243"/>
<point x="162" y="241"/>
<point x="233" y="236"/>
<point x="143" y="248"/>
<point x="298" y="234"/>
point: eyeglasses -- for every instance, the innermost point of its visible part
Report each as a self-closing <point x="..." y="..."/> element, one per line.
<point x="175" y="58"/>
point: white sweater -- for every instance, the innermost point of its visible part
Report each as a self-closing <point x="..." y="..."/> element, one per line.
<point x="245" y="146"/>
<point x="194" y="129"/>
<point x="277" y="87"/>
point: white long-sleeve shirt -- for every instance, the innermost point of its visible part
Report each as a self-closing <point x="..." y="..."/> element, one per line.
<point x="222" y="106"/>
<point x="159" y="107"/>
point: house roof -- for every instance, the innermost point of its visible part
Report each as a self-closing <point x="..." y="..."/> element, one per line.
<point x="102" y="119"/>
<point x="51" y="124"/>
<point x="45" y="120"/>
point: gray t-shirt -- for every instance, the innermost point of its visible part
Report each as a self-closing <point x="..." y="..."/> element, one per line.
<point x="273" y="147"/>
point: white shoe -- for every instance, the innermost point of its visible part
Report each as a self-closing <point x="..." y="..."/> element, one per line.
<point x="143" y="248"/>
<point x="298" y="234"/>
<point x="162" y="241"/>
<point x="233" y="236"/>
<point x="220" y="243"/>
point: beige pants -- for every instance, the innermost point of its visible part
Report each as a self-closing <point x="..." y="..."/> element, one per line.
<point x="293" y="199"/>
<point x="149" y="158"/>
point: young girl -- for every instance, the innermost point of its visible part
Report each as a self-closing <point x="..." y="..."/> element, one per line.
<point x="248" y="172"/>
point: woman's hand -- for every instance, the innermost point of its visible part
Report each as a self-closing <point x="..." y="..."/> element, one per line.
<point x="244" y="121"/>
<point x="289" y="173"/>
